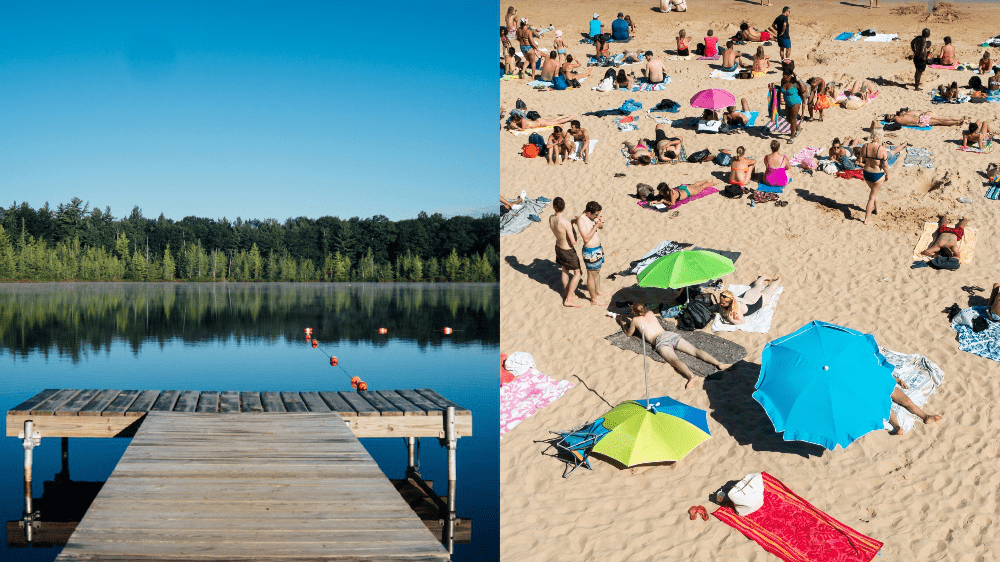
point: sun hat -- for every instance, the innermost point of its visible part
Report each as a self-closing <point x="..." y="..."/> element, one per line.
<point x="596" y="15"/>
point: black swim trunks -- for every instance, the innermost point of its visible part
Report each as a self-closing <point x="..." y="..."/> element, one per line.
<point x="920" y="63"/>
<point x="660" y="136"/>
<point x="567" y="259"/>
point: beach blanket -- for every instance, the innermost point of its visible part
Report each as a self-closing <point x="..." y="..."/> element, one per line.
<point x="664" y="208"/>
<point x="759" y="323"/>
<point x="628" y="123"/>
<point x="984" y="344"/>
<point x="751" y="120"/>
<point x="803" y="155"/>
<point x="723" y="350"/>
<point x="993" y="192"/>
<point x="776" y="123"/>
<point x="664" y="248"/>
<point x="960" y="99"/>
<point x="922" y="377"/>
<point x="681" y="158"/>
<point x="856" y="174"/>
<point x="881" y="38"/>
<point x="579" y="145"/>
<point x="516" y="221"/>
<point x="920" y="157"/>
<point x="844" y="36"/>
<point x="945" y="66"/>
<point x="719" y="73"/>
<point x="540" y="84"/>
<point x="927" y="128"/>
<point x="761" y="186"/>
<point x="794" y="530"/>
<point x="525" y="395"/>
<point x="506" y="77"/>
<point x="716" y="57"/>
<point x="531" y="130"/>
<point x="643" y="86"/>
<point x="986" y="149"/>
<point x="676" y="57"/>
<point x="966" y="247"/>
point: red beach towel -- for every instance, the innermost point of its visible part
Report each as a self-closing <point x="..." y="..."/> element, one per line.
<point x="792" y="529"/>
<point x="852" y="174"/>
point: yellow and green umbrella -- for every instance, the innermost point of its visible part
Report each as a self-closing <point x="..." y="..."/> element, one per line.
<point x="640" y="436"/>
<point x="684" y="269"/>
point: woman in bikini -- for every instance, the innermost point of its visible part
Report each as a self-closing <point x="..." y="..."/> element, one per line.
<point x="623" y="81"/>
<point x="791" y="92"/>
<point x="736" y="310"/>
<point x="519" y="123"/>
<point x="683" y="44"/>
<point x="947" y="238"/>
<point x="742" y="168"/>
<point x="682" y="192"/>
<point x="977" y="133"/>
<point x="874" y="169"/>
<point x="559" y="45"/>
<point x="761" y="63"/>
<point x="776" y="167"/>
<point x="985" y="64"/>
<point x="639" y="153"/>
<point x="510" y="21"/>
<point x="922" y="119"/>
<point x="526" y="38"/>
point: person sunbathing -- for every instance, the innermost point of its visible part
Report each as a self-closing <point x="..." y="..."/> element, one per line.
<point x="681" y="192"/>
<point x="736" y="309"/>
<point x="639" y="153"/>
<point x="663" y="342"/>
<point x="569" y="69"/>
<point x="843" y="153"/>
<point x="858" y="95"/>
<point x="776" y="166"/>
<point x="947" y="55"/>
<point x="519" y="123"/>
<point x="985" y="63"/>
<point x="667" y="149"/>
<point x="948" y="92"/>
<point x="977" y="133"/>
<point x="911" y="118"/>
<point x="741" y="168"/>
<point x="623" y="81"/>
<point x="580" y="135"/>
<point x="748" y="33"/>
<point x="550" y="68"/>
<point x="900" y="397"/>
<point x="947" y="238"/>
<point x="737" y="118"/>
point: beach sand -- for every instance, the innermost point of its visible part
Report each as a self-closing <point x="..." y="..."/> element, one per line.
<point x="931" y="494"/>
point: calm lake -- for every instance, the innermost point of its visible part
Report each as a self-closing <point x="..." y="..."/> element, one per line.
<point x="235" y="336"/>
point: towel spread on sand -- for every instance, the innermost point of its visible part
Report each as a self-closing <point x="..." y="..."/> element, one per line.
<point x="751" y="119"/>
<point x="664" y="248"/>
<point x="722" y="349"/>
<point x="763" y="187"/>
<point x="516" y="221"/>
<point x="881" y="38"/>
<point x="525" y="395"/>
<point x="643" y="86"/>
<point x="966" y="246"/>
<point x="945" y="66"/>
<point x="628" y="123"/>
<point x="759" y="322"/>
<point x="716" y="57"/>
<point x="579" y="144"/>
<point x="984" y="344"/>
<point x="960" y="99"/>
<point x="844" y="36"/>
<point x="993" y="192"/>
<point x="540" y="84"/>
<point x="986" y="149"/>
<point x="675" y="57"/>
<point x="856" y="174"/>
<point x="663" y="208"/>
<point x="920" y="157"/>
<point x="927" y="128"/>
<point x="802" y="155"/>
<point x="921" y="375"/>
<point x="718" y="73"/>
<point x="531" y="130"/>
<point x="793" y="529"/>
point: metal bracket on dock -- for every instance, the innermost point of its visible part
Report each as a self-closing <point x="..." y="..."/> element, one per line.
<point x="30" y="440"/>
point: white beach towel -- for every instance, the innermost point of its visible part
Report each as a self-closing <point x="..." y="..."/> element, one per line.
<point x="923" y="378"/>
<point x="759" y="323"/>
<point x="717" y="73"/>
<point x="579" y="144"/>
<point x="881" y="38"/>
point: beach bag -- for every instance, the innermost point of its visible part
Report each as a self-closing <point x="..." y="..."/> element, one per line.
<point x="733" y="191"/>
<point x="606" y="85"/>
<point x="941" y="262"/>
<point x="701" y="156"/>
<point x="695" y="316"/>
<point x="559" y="83"/>
<point x="830" y="167"/>
<point x="979" y="324"/>
<point x="748" y="494"/>
<point x="533" y="115"/>
<point x="723" y="159"/>
<point x="530" y="150"/>
<point x="870" y="32"/>
<point x="520" y="105"/>
<point x="744" y="74"/>
<point x="708" y="126"/>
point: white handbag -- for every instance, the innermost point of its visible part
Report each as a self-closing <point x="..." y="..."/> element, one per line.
<point x="748" y="494"/>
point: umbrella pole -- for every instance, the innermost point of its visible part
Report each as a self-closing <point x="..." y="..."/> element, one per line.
<point x="645" y="371"/>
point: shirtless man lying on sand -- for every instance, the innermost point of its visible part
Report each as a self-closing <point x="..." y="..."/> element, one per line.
<point x="946" y="239"/>
<point x="665" y="343"/>
<point x="922" y="119"/>
<point x="748" y="33"/>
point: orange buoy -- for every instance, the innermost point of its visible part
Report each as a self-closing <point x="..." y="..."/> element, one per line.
<point x="446" y="331"/>
<point x="315" y="344"/>
<point x="333" y="361"/>
<point x="362" y="386"/>
<point x="354" y="385"/>
<point x="355" y="380"/>
<point x="308" y="330"/>
<point x="383" y="331"/>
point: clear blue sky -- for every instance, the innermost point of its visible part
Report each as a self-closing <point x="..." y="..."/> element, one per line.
<point x="251" y="109"/>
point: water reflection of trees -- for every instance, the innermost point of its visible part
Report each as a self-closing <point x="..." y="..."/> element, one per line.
<point x="64" y="318"/>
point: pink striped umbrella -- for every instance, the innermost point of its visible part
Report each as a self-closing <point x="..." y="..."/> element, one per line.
<point x="713" y="98"/>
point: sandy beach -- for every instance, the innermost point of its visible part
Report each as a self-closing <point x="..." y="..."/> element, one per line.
<point x="931" y="494"/>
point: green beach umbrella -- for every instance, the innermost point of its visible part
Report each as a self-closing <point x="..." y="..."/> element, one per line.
<point x="640" y="436"/>
<point x="685" y="268"/>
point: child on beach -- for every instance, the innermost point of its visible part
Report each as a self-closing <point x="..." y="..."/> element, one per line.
<point x="683" y="44"/>
<point x="559" y="45"/>
<point x="710" y="47"/>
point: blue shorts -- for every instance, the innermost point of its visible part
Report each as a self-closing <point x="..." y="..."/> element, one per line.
<point x="593" y="258"/>
<point x="785" y="42"/>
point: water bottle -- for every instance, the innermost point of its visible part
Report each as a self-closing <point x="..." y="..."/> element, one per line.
<point x="964" y="200"/>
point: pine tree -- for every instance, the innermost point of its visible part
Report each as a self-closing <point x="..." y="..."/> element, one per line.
<point x="416" y="269"/>
<point x="483" y="270"/>
<point x="451" y="266"/>
<point x="433" y="270"/>
<point x="256" y="263"/>
<point x="8" y="261"/>
<point x="168" y="265"/>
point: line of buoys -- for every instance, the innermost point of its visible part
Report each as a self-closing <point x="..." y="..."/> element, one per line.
<point x="333" y="361"/>
<point x="356" y="382"/>
<point x="315" y="344"/>
<point x="446" y="331"/>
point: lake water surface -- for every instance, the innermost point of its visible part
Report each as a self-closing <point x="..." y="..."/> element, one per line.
<point x="233" y="336"/>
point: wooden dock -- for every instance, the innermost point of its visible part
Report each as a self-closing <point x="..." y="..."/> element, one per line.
<point x="119" y="413"/>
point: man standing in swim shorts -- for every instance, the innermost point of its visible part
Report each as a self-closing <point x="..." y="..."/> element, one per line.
<point x="921" y="47"/>
<point x="784" y="41"/>
<point x="593" y="254"/>
<point x="565" y="252"/>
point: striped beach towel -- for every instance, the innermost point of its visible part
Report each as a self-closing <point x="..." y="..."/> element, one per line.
<point x="993" y="192"/>
<point x="777" y="123"/>
<point x="792" y="529"/>
<point x="643" y="86"/>
<point x="987" y="148"/>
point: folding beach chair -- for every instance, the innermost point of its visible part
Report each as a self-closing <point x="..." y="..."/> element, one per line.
<point x="577" y="443"/>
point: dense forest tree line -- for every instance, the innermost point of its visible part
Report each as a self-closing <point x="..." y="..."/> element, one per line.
<point x="75" y="242"/>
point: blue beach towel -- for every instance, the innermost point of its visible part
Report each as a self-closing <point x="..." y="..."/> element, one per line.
<point x="751" y="121"/>
<point x="984" y="344"/>
<point x="927" y="128"/>
<point x="773" y="188"/>
<point x="844" y="36"/>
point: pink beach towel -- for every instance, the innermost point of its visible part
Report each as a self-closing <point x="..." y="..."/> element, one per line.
<point x="525" y="395"/>
<point x="704" y="193"/>
<point x="943" y="67"/>
<point x="804" y="154"/>
<point x="792" y="529"/>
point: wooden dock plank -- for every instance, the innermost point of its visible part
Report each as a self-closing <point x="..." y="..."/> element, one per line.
<point x="229" y="402"/>
<point x="143" y="403"/>
<point x="54" y="402"/>
<point x="271" y="401"/>
<point x="208" y="402"/>
<point x="293" y="402"/>
<point x="165" y="401"/>
<point x="360" y="405"/>
<point x="337" y="404"/>
<point x="99" y="403"/>
<point x="72" y="407"/>
<point x="35" y="400"/>
<point x="187" y="401"/>
<point x="383" y="406"/>
<point x="167" y="499"/>
<point x="420" y="401"/>
<point x="121" y="403"/>
<point x="314" y="402"/>
<point x="250" y="402"/>
<point x="443" y="402"/>
<point x="407" y="407"/>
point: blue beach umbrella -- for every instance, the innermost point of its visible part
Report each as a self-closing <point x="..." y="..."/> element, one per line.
<point x="825" y="384"/>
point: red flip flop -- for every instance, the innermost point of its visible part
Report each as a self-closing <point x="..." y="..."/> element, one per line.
<point x="703" y="512"/>
<point x="694" y="510"/>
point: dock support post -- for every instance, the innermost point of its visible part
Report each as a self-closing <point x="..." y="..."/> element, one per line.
<point x="449" y="529"/>
<point x="412" y="457"/>
<point x="30" y="440"/>
<point x="63" y="475"/>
